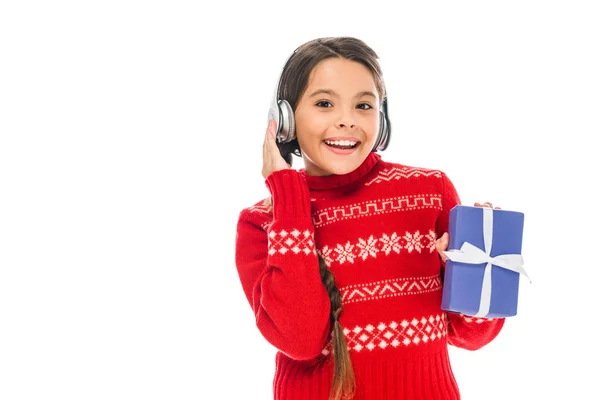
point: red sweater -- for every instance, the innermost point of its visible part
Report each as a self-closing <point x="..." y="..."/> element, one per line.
<point x="375" y="227"/>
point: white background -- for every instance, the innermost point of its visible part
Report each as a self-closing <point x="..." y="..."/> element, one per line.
<point x="131" y="137"/>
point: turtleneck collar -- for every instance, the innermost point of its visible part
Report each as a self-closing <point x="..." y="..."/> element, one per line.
<point x="335" y="181"/>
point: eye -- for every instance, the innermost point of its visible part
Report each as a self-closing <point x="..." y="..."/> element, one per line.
<point x="361" y="105"/>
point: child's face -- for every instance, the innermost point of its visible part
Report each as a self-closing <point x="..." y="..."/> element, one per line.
<point x="345" y="112"/>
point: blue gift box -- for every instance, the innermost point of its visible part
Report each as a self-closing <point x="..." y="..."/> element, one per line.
<point x="466" y="288"/>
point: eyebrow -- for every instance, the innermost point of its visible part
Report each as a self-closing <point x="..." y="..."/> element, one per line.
<point x="332" y="93"/>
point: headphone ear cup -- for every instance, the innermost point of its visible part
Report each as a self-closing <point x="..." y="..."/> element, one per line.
<point x="380" y="133"/>
<point x="287" y="128"/>
<point x="383" y="139"/>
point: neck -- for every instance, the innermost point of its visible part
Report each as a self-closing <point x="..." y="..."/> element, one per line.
<point x="334" y="181"/>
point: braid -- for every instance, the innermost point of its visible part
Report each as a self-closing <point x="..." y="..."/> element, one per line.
<point x="343" y="373"/>
<point x="334" y="293"/>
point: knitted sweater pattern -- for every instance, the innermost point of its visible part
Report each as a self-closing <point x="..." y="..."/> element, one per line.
<point x="375" y="228"/>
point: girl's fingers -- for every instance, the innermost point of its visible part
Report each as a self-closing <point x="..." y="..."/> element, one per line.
<point x="271" y="137"/>
<point x="269" y="141"/>
<point x="441" y="245"/>
<point x="272" y="157"/>
<point x="265" y="142"/>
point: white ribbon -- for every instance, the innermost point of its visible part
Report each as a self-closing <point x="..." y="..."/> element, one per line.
<point x="471" y="254"/>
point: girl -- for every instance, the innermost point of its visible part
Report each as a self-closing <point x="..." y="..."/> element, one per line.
<point x="343" y="264"/>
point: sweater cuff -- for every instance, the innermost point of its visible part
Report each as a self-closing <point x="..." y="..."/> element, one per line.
<point x="291" y="197"/>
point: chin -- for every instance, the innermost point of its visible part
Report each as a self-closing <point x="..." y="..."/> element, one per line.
<point x="344" y="166"/>
<point x="343" y="169"/>
<point x="329" y="163"/>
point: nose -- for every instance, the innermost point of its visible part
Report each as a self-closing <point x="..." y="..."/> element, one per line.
<point x="346" y="121"/>
<point x="342" y="125"/>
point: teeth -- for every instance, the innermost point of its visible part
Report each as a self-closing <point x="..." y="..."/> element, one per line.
<point x="341" y="142"/>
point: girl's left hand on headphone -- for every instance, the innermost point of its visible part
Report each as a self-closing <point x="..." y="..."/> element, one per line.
<point x="272" y="159"/>
<point x="442" y="243"/>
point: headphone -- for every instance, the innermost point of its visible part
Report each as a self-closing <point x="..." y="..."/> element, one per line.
<point x="282" y="113"/>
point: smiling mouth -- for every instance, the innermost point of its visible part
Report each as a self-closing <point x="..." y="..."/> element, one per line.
<point x="343" y="145"/>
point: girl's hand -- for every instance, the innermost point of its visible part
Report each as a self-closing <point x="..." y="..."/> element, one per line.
<point x="487" y="204"/>
<point x="442" y="243"/>
<point x="272" y="159"/>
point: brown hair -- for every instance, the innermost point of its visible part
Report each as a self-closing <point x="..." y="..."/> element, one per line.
<point x="294" y="81"/>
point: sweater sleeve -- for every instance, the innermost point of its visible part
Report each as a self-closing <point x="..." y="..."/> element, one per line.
<point x="466" y="332"/>
<point x="279" y="270"/>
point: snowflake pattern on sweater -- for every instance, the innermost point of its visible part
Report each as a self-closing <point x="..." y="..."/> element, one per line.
<point x="406" y="333"/>
<point x="384" y="244"/>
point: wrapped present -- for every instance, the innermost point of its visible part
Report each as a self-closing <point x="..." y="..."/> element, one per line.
<point x="484" y="262"/>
